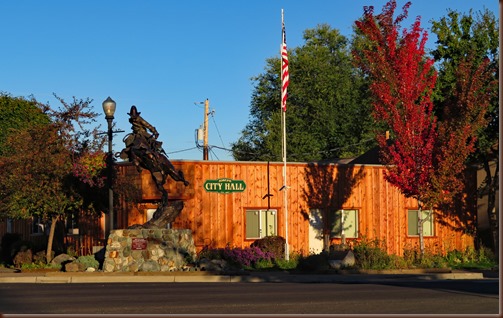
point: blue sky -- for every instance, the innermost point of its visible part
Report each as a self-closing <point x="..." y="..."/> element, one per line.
<point x="166" y="57"/>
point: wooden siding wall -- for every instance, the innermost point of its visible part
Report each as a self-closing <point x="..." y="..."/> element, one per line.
<point x="21" y="227"/>
<point x="90" y="234"/>
<point x="218" y="219"/>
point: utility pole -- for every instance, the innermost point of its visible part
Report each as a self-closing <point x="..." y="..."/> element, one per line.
<point x="205" y="142"/>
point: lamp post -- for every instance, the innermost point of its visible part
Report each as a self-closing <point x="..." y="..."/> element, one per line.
<point x="109" y="109"/>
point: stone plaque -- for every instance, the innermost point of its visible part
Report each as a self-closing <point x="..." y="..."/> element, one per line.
<point x="138" y="244"/>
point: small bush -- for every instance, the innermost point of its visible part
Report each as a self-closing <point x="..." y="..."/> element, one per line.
<point x="11" y="244"/>
<point x="471" y="258"/>
<point x="264" y="264"/>
<point x="210" y="253"/>
<point x="245" y="257"/>
<point x="292" y="263"/>
<point x="314" y="262"/>
<point x="242" y="258"/>
<point x="370" y="254"/>
<point x="31" y="266"/>
<point x="88" y="261"/>
<point x="274" y="245"/>
<point x="6" y="246"/>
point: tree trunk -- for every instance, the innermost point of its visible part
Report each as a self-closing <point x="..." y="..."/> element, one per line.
<point x="326" y="242"/>
<point x="326" y="229"/>
<point x="50" y="239"/>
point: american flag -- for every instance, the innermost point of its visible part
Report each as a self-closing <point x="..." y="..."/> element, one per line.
<point x="285" y="76"/>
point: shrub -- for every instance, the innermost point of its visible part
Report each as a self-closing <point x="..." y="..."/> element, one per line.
<point x="292" y="263"/>
<point x="210" y="253"/>
<point x="369" y="254"/>
<point x="7" y="242"/>
<point x="264" y="264"/>
<point x="245" y="257"/>
<point x="88" y="261"/>
<point x="471" y="258"/>
<point x="275" y="245"/>
<point x="313" y="262"/>
<point x="32" y="266"/>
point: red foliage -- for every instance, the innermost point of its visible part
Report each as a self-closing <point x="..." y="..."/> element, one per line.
<point x="89" y="168"/>
<point x="402" y="83"/>
<point x="464" y="114"/>
<point x="426" y="158"/>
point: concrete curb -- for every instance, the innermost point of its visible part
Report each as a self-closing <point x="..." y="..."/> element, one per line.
<point x="207" y="277"/>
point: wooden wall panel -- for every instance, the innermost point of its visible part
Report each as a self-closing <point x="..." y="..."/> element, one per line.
<point x="219" y="219"/>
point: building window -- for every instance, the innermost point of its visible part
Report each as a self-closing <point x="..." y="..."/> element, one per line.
<point x="72" y="223"/>
<point x="261" y="223"/>
<point x="10" y="226"/>
<point x="38" y="226"/>
<point x="345" y="223"/>
<point x="428" y="225"/>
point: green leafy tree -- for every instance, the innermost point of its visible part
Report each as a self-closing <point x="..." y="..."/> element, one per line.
<point x="42" y="171"/>
<point x="328" y="112"/>
<point x="474" y="36"/>
<point x="18" y="113"/>
<point x="33" y="174"/>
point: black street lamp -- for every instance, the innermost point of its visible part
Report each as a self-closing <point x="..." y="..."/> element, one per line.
<point x="109" y="109"/>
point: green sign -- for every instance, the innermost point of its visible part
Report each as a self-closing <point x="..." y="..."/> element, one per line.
<point x="224" y="185"/>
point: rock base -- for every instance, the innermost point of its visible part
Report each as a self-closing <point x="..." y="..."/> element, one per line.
<point x="149" y="250"/>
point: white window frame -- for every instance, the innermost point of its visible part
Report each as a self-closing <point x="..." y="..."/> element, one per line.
<point x="348" y="230"/>
<point x="428" y="225"/>
<point x="265" y="218"/>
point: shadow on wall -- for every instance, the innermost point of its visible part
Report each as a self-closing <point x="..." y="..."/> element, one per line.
<point x="328" y="187"/>
<point x="460" y="213"/>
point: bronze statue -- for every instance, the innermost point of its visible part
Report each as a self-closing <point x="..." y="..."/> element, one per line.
<point x="145" y="152"/>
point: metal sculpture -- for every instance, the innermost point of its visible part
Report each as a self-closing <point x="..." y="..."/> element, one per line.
<point x="146" y="152"/>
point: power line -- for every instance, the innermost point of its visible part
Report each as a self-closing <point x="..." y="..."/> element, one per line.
<point x="182" y="150"/>
<point x="214" y="154"/>
<point x="218" y="131"/>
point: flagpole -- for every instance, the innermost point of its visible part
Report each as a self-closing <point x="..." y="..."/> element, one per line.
<point x="285" y="187"/>
<point x="283" y="124"/>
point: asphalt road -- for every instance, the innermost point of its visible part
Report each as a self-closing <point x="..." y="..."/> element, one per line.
<point x="387" y="297"/>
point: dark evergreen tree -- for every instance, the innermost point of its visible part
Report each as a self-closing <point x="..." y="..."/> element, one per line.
<point x="328" y="112"/>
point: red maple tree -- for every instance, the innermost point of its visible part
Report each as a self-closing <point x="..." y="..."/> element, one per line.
<point x="463" y="115"/>
<point x="402" y="81"/>
<point x="426" y="157"/>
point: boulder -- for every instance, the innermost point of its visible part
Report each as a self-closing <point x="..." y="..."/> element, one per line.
<point x="342" y="260"/>
<point x="74" y="267"/>
<point x="335" y="263"/>
<point x="349" y="259"/>
<point x="214" y="265"/>
<point x="62" y="259"/>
